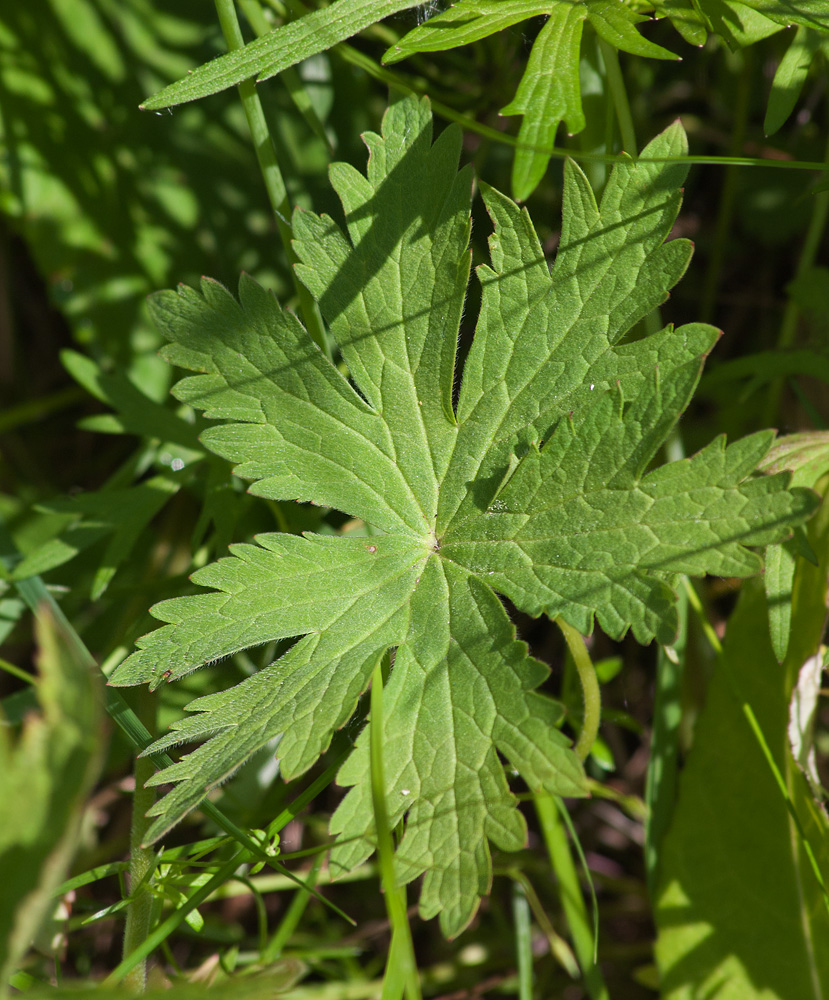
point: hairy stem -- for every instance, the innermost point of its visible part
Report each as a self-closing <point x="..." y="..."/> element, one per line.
<point x="139" y="911"/>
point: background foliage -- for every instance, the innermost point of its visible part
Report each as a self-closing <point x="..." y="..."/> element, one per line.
<point x="703" y="877"/>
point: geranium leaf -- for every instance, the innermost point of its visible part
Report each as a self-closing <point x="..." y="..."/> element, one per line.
<point x="549" y="92"/>
<point x="539" y="485"/>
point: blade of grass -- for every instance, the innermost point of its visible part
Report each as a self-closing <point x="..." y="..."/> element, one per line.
<point x="559" y="948"/>
<point x="618" y="91"/>
<point x="21" y="675"/>
<point x="572" y="901"/>
<point x="791" y="316"/>
<point x="141" y="857"/>
<point x="90" y="876"/>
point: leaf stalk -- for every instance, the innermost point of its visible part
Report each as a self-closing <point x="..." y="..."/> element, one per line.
<point x="589" y="686"/>
<point x="141" y="857"/>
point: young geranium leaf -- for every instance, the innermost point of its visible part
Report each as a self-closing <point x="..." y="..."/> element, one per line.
<point x="538" y="486"/>
<point x="550" y="91"/>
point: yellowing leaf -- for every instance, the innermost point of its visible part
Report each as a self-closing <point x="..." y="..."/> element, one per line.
<point x="45" y="775"/>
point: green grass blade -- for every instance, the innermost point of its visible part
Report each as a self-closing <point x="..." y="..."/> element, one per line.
<point x="572" y="901"/>
<point x="268" y="159"/>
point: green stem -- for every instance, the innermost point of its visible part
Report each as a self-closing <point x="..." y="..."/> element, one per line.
<point x="289" y="923"/>
<point x="725" y="211"/>
<point x="523" y="941"/>
<point x="572" y="900"/>
<point x="589" y="686"/>
<point x="139" y="911"/>
<point x="17" y="672"/>
<point x="289" y="77"/>
<point x="616" y="85"/>
<point x="269" y="165"/>
<point x="788" y="327"/>
<point x="402" y="947"/>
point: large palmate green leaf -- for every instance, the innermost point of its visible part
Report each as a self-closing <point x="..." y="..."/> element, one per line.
<point x="535" y="486"/>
